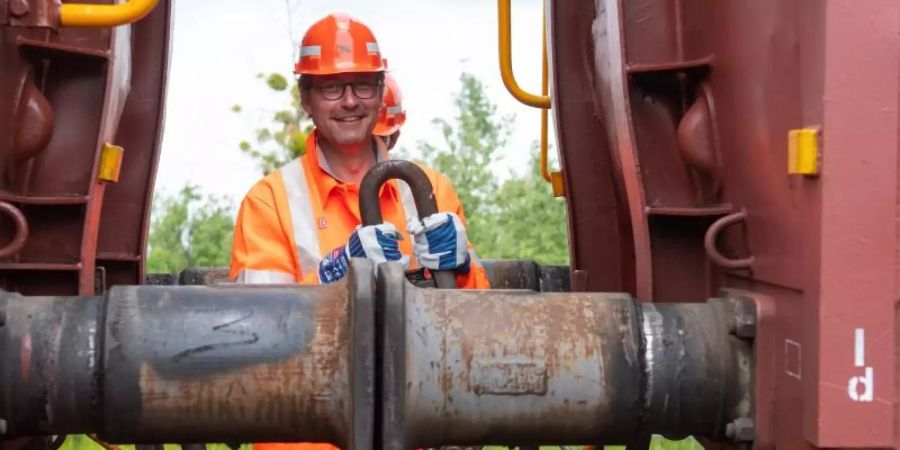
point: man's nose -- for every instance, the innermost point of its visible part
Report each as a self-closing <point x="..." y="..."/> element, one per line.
<point x="349" y="100"/>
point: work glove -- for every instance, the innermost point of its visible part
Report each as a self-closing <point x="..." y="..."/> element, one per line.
<point x="378" y="243"/>
<point x="440" y="242"/>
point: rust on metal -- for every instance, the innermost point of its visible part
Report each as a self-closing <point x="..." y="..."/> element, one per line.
<point x="517" y="367"/>
<point x="300" y="387"/>
<point x="266" y="363"/>
<point x="195" y="364"/>
<point x="508" y="377"/>
<point x="670" y="115"/>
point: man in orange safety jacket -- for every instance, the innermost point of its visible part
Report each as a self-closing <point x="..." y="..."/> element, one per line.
<point x="301" y="223"/>
<point x="392" y="115"/>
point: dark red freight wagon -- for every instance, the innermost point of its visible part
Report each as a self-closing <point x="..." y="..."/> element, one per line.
<point x="731" y="176"/>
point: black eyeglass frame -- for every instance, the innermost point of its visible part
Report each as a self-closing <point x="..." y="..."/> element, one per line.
<point x="355" y="87"/>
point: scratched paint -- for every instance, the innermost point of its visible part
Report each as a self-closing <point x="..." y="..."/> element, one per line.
<point x="270" y="362"/>
<point x="501" y="367"/>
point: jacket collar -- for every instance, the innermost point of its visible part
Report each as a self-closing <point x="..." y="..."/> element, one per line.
<point x="325" y="180"/>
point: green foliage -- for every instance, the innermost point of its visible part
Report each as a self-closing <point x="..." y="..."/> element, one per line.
<point x="518" y="219"/>
<point x="277" y="82"/>
<point x="189" y="230"/>
<point x="529" y="222"/>
<point x="470" y="147"/>
<point x="284" y="138"/>
<point x="661" y="443"/>
<point x="82" y="442"/>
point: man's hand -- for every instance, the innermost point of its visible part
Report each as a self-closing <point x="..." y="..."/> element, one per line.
<point x="440" y="242"/>
<point x="379" y="243"/>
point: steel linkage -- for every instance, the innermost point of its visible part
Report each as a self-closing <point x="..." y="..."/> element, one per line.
<point x="362" y="364"/>
<point x="193" y="364"/>
<point x="420" y="189"/>
<point x="517" y="367"/>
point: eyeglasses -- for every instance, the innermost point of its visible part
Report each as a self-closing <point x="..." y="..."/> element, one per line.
<point x="334" y="90"/>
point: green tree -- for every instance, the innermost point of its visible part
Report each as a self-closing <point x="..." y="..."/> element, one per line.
<point x="284" y="138"/>
<point x="471" y="142"/>
<point x="189" y="230"/>
<point x="518" y="219"/>
<point x="529" y="222"/>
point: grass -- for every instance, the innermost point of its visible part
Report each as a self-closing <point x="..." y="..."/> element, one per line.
<point x="661" y="443"/>
<point x="81" y="442"/>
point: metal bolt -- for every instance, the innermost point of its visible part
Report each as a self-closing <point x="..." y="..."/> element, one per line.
<point x="744" y="326"/>
<point x="18" y="8"/>
<point x="741" y="430"/>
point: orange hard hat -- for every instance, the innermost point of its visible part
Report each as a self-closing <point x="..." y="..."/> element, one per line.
<point x="338" y="43"/>
<point x="392" y="115"/>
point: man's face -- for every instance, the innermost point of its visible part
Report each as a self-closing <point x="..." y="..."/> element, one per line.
<point x="339" y="109"/>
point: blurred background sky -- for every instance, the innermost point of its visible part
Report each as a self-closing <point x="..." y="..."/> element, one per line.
<point x="219" y="46"/>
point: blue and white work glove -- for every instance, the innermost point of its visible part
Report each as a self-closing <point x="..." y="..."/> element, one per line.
<point x="378" y="243"/>
<point x="440" y="242"/>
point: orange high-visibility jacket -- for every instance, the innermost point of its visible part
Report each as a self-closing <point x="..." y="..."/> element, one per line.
<point x="297" y="214"/>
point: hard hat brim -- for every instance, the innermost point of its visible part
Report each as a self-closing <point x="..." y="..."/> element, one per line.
<point x="381" y="130"/>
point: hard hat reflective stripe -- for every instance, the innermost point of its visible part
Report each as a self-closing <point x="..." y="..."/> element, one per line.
<point x="310" y="50"/>
<point x="302" y="221"/>
<point x="394" y="110"/>
<point x="253" y="276"/>
<point x="372" y="47"/>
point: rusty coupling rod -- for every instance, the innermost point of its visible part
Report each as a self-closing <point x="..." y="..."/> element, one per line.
<point x="368" y="364"/>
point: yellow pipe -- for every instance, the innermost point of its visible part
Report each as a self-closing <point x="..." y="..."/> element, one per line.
<point x="506" y="72"/>
<point x="545" y="171"/>
<point x="86" y="15"/>
<point x="554" y="178"/>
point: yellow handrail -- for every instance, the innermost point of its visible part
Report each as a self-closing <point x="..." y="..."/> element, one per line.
<point x="506" y="72"/>
<point x="87" y="15"/>
<point x="545" y="171"/>
<point x="554" y="178"/>
<point x="538" y="101"/>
